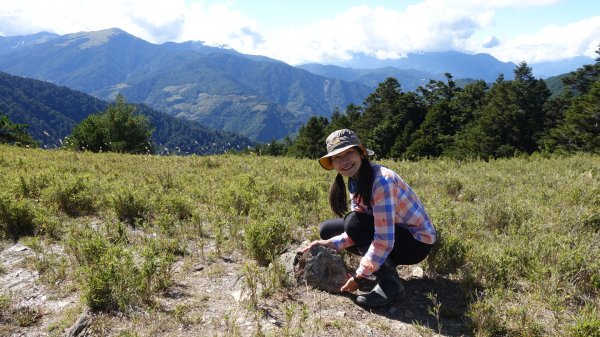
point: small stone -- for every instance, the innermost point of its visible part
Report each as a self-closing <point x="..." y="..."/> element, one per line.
<point x="417" y="272"/>
<point x="408" y="314"/>
<point x="340" y="314"/>
<point x="237" y="295"/>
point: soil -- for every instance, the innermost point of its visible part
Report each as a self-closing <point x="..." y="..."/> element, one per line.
<point x="209" y="298"/>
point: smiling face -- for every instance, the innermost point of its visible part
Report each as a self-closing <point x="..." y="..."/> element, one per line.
<point x="347" y="163"/>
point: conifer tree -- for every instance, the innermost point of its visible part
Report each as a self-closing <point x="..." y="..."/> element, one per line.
<point x="311" y="139"/>
<point x="580" y="128"/>
<point x="114" y="130"/>
<point x="11" y="133"/>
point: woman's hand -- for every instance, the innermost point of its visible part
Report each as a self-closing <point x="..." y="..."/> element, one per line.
<point x="326" y="243"/>
<point x="350" y="286"/>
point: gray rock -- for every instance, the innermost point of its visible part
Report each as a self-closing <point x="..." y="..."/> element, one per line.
<point x="81" y="325"/>
<point x="322" y="268"/>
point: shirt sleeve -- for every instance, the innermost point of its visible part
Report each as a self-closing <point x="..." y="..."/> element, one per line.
<point x="384" y="200"/>
<point x="342" y="241"/>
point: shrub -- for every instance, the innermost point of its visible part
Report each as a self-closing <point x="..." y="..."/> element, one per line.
<point x="130" y="206"/>
<point x="453" y="187"/>
<point x="501" y="216"/>
<point x="265" y="239"/>
<point x="504" y="313"/>
<point x="109" y="276"/>
<point x="16" y="218"/>
<point x="31" y="186"/>
<point x="447" y="255"/>
<point x="586" y="326"/>
<point x="73" y="196"/>
<point x="179" y="206"/>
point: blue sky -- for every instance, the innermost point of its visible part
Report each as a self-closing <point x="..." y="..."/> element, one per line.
<point x="326" y="31"/>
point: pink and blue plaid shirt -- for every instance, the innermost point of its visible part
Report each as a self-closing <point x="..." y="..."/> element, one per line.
<point x="393" y="202"/>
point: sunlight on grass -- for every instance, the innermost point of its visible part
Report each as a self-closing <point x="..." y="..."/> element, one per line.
<point x="521" y="234"/>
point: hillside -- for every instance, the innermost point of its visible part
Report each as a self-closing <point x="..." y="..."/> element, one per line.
<point x="254" y="96"/>
<point x="52" y="111"/>
<point x="410" y="79"/>
<point x="460" y="65"/>
<point x="169" y="246"/>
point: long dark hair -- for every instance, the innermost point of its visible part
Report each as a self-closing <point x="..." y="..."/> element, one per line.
<point x="338" y="199"/>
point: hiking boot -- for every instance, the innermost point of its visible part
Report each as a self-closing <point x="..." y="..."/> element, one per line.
<point x="388" y="289"/>
<point x="365" y="284"/>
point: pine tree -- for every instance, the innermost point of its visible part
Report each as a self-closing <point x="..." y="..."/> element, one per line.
<point x="310" y="142"/>
<point x="114" y="130"/>
<point x="436" y="133"/>
<point x="580" y="128"/>
<point x="11" y="133"/>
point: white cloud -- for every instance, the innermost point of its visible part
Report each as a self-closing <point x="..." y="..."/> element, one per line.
<point x="553" y="43"/>
<point x="429" y="25"/>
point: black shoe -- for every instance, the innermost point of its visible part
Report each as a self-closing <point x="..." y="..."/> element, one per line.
<point x="365" y="284"/>
<point x="388" y="289"/>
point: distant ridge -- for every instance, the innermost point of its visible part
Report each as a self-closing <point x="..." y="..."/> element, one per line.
<point x="52" y="111"/>
<point x="254" y="96"/>
<point x="251" y="95"/>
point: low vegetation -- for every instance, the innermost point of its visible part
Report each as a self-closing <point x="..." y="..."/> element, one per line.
<point x="520" y="235"/>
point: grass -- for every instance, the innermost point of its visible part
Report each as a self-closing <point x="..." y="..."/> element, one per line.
<point x="521" y="235"/>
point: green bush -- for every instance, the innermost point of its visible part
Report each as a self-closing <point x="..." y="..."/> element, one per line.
<point x="586" y="328"/>
<point x="110" y="277"/>
<point x="73" y="196"/>
<point x="501" y="216"/>
<point x="453" y="187"/>
<point x="267" y="238"/>
<point x="17" y="218"/>
<point x="180" y="207"/>
<point x="31" y="186"/>
<point x="448" y="254"/>
<point x="130" y="206"/>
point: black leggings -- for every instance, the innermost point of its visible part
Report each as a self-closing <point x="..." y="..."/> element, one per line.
<point x="361" y="229"/>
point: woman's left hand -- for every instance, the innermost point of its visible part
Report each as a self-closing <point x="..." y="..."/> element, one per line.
<point x="350" y="285"/>
<point x="326" y="243"/>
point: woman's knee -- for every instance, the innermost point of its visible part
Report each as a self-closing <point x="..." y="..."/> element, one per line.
<point x="359" y="227"/>
<point x="330" y="228"/>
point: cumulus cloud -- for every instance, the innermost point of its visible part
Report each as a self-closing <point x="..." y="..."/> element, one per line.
<point x="553" y="43"/>
<point x="429" y="25"/>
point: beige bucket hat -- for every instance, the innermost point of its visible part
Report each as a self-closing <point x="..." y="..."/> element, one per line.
<point x="338" y="142"/>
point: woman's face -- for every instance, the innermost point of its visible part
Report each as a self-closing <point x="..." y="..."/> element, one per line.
<point x="347" y="163"/>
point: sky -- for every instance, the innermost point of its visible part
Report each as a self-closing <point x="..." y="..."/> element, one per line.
<point x="328" y="31"/>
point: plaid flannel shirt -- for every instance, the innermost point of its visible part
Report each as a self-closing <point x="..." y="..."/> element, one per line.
<point x="393" y="202"/>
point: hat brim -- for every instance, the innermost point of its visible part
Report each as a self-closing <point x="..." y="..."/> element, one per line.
<point x="326" y="163"/>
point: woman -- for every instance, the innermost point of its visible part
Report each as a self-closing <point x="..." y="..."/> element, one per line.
<point x="387" y="224"/>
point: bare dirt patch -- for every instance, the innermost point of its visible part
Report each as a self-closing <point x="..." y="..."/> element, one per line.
<point x="210" y="298"/>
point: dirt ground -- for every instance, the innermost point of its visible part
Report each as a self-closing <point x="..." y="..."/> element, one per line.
<point x="209" y="298"/>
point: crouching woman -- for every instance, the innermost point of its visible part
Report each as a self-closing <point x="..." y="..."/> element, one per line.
<point x="387" y="224"/>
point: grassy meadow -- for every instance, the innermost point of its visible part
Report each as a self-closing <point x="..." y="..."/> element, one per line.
<point x="521" y="236"/>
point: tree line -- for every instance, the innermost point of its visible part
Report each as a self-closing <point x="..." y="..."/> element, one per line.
<point x="503" y="119"/>
<point x="480" y="120"/>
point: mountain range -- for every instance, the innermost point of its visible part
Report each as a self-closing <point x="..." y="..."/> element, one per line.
<point x="51" y="112"/>
<point x="254" y="96"/>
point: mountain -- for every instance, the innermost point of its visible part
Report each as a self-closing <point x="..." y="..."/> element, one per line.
<point x="11" y="43"/>
<point x="554" y="68"/>
<point x="254" y="96"/>
<point x="52" y="111"/>
<point x="460" y="65"/>
<point x="409" y="79"/>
